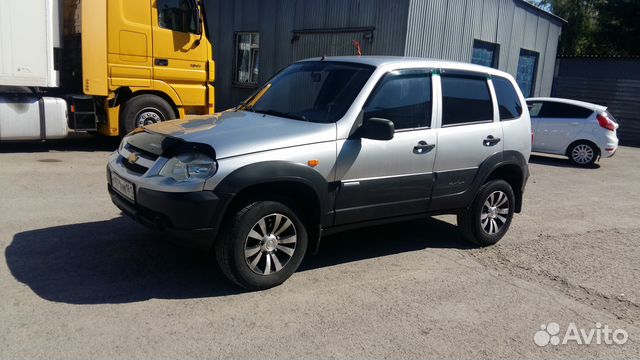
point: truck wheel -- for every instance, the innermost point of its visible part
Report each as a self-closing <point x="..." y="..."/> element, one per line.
<point x="144" y="110"/>
<point x="261" y="245"/>
<point x="489" y="217"/>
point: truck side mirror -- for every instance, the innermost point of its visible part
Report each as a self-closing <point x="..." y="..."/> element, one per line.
<point x="197" y="15"/>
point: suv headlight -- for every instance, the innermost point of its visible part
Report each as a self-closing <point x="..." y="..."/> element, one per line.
<point x="189" y="166"/>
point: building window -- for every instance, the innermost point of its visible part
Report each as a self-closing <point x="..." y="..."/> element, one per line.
<point x="527" y="71"/>
<point x="485" y="53"/>
<point x="247" y="59"/>
<point x="178" y="15"/>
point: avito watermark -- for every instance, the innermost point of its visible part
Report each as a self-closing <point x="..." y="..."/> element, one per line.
<point x="550" y="334"/>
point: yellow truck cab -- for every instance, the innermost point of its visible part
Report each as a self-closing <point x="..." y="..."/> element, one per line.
<point x="115" y="65"/>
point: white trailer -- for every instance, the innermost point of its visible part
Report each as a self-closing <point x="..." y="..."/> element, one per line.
<point x="30" y="59"/>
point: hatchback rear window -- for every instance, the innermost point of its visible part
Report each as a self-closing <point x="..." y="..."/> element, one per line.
<point x="558" y="110"/>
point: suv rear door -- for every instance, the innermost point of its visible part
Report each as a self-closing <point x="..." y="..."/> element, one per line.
<point x="383" y="179"/>
<point x="468" y="134"/>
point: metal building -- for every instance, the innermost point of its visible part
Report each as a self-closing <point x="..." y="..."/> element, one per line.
<point x="253" y="39"/>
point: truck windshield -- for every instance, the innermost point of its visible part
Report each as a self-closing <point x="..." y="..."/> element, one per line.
<point x="319" y="91"/>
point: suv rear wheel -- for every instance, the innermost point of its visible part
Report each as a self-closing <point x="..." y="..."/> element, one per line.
<point x="489" y="217"/>
<point x="261" y="245"/>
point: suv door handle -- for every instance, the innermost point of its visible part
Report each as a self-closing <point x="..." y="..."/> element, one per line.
<point x="491" y="141"/>
<point x="423" y="148"/>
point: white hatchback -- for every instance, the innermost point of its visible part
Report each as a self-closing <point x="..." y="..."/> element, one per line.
<point x="582" y="131"/>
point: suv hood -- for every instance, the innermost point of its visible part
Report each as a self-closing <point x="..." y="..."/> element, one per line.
<point x="232" y="133"/>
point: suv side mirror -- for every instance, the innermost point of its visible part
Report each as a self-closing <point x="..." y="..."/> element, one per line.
<point x="377" y="129"/>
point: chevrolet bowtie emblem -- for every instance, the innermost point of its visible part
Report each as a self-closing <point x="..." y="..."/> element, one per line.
<point x="133" y="158"/>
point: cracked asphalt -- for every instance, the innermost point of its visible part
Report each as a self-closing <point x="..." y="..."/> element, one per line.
<point x="80" y="281"/>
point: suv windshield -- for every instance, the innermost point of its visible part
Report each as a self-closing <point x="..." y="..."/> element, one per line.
<point x="318" y="91"/>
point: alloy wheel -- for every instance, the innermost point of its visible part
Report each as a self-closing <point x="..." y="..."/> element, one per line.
<point x="270" y="244"/>
<point x="582" y="154"/>
<point x="495" y="213"/>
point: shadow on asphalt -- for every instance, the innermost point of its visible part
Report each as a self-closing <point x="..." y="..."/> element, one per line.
<point x="557" y="162"/>
<point x="118" y="261"/>
<point x="75" y="142"/>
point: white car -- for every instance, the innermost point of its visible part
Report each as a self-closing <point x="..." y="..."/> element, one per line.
<point x="582" y="131"/>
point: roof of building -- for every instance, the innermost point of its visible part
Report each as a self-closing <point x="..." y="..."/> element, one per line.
<point x="542" y="11"/>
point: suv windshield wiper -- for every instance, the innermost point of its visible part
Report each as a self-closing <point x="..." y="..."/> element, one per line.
<point x="282" y="114"/>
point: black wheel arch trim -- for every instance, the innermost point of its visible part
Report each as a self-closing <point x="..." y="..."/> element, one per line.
<point x="274" y="172"/>
<point x="497" y="161"/>
<point x="485" y="170"/>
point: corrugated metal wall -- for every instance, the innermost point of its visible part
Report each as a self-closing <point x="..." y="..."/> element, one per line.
<point x="446" y="29"/>
<point x="442" y="29"/>
<point x="614" y="83"/>
<point x="276" y="20"/>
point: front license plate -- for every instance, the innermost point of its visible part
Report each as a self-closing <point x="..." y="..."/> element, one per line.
<point x="123" y="187"/>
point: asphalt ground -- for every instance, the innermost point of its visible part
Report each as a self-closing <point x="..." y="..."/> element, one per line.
<point x="78" y="280"/>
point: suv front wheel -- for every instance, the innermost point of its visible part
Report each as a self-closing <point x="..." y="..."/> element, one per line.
<point x="489" y="217"/>
<point x="261" y="245"/>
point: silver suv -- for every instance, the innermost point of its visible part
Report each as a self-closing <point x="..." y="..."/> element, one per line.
<point x="327" y="145"/>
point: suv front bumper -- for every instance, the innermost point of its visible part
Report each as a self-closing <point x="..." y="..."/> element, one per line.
<point x="188" y="217"/>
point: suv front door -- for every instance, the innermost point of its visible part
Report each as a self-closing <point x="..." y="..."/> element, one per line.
<point x="468" y="135"/>
<point x="383" y="179"/>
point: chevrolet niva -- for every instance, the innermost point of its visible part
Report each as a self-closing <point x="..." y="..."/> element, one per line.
<point x="327" y="145"/>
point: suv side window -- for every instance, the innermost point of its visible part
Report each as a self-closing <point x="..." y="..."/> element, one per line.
<point x="465" y="100"/>
<point x="403" y="97"/>
<point x="508" y="100"/>
<point x="563" y="111"/>
<point x="177" y="15"/>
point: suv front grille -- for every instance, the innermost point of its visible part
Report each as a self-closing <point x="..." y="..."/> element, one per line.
<point x="138" y="169"/>
<point x="136" y="160"/>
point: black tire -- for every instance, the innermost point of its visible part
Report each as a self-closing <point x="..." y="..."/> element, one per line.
<point x="144" y="104"/>
<point x="583" y="153"/>
<point x="471" y="221"/>
<point x="235" y="238"/>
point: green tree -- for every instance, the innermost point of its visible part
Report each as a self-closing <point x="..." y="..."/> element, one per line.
<point x="619" y="30"/>
<point x="597" y="27"/>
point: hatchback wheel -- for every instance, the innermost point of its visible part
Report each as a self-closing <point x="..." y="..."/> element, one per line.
<point x="262" y="245"/>
<point x="489" y="217"/>
<point x="583" y="154"/>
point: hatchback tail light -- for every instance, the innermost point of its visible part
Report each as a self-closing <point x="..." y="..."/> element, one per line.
<point x="606" y="123"/>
